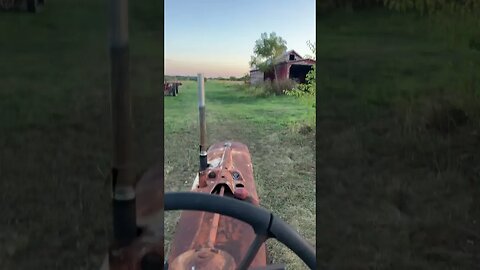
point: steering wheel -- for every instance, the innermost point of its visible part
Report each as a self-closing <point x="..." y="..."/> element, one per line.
<point x="264" y="223"/>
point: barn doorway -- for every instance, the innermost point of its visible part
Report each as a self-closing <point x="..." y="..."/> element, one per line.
<point x="298" y="73"/>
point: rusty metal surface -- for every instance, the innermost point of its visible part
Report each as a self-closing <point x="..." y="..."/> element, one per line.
<point x="230" y="168"/>
<point x="130" y="258"/>
<point x="204" y="258"/>
<point x="149" y="210"/>
<point x="149" y="193"/>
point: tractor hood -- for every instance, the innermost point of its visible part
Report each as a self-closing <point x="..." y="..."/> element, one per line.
<point x="230" y="167"/>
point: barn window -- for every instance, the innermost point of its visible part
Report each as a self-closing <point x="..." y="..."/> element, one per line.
<point x="292" y="57"/>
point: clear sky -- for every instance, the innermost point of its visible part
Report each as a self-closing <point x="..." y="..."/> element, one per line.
<point x="216" y="37"/>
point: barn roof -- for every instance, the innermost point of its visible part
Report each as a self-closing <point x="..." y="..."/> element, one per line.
<point x="298" y="61"/>
<point x="287" y="53"/>
<point x="283" y="58"/>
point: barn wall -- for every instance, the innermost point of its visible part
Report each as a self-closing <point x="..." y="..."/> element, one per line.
<point x="282" y="71"/>
<point x="256" y="77"/>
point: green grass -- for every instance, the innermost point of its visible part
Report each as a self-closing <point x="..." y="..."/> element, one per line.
<point x="283" y="160"/>
<point x="393" y="193"/>
<point x="55" y="129"/>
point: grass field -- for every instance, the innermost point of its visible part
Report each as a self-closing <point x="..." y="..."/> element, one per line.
<point x="283" y="160"/>
<point x="398" y="172"/>
<point x="55" y="129"/>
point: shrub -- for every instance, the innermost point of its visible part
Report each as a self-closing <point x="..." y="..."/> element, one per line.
<point x="307" y="92"/>
<point x="307" y="89"/>
<point x="277" y="87"/>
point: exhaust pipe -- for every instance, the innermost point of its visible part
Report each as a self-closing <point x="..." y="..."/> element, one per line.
<point x="203" y="124"/>
<point x="123" y="193"/>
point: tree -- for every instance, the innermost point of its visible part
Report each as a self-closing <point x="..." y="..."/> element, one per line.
<point x="246" y="78"/>
<point x="266" y="50"/>
<point x="312" y="47"/>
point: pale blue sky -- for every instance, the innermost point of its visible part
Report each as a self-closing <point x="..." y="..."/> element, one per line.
<point x="216" y="37"/>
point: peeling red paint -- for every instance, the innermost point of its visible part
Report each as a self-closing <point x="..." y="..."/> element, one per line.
<point x="231" y="169"/>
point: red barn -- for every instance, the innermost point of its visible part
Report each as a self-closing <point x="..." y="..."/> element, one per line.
<point x="289" y="65"/>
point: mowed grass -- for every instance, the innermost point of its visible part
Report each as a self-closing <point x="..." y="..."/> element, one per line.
<point x="398" y="190"/>
<point x="283" y="160"/>
<point x="55" y="129"/>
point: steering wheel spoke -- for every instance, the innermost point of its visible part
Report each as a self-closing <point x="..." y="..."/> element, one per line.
<point x="252" y="251"/>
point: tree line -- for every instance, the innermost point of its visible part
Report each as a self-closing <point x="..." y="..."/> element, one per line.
<point x="245" y="77"/>
<point x="424" y="6"/>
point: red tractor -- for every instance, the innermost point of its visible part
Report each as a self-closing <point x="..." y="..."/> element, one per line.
<point x="171" y="88"/>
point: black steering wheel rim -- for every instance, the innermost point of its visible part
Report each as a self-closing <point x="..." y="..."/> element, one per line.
<point x="263" y="222"/>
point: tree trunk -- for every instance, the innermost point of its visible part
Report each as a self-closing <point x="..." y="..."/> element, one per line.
<point x="275" y="82"/>
<point x="274" y="73"/>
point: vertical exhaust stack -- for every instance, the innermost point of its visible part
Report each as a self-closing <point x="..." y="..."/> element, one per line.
<point x="123" y="193"/>
<point x="202" y="121"/>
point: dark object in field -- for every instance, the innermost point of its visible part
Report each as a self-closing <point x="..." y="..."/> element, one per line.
<point x="474" y="43"/>
<point x="32" y="6"/>
<point x="171" y="88"/>
<point x="445" y="118"/>
<point x="305" y="129"/>
<point x="152" y="261"/>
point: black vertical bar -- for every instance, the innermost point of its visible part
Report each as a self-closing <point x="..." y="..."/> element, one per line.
<point x="123" y="201"/>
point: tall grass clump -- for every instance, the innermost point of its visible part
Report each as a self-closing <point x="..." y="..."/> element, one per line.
<point x="269" y="88"/>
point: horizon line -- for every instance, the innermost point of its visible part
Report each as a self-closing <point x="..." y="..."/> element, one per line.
<point x="197" y="75"/>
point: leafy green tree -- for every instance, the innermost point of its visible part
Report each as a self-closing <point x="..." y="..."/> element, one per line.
<point x="266" y="50"/>
<point x="246" y="77"/>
